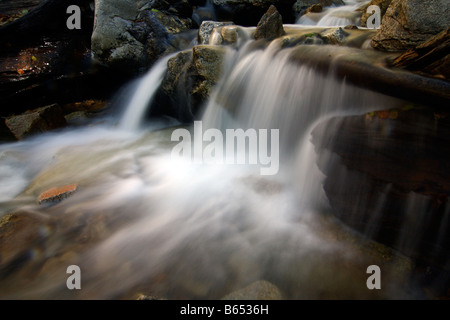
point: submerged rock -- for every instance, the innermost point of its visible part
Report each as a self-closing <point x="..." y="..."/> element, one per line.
<point x="270" y="26"/>
<point x="259" y="290"/>
<point x="408" y="23"/>
<point x="57" y="194"/>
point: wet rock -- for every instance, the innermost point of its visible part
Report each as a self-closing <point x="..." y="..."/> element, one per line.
<point x="407" y="24"/>
<point x="382" y="4"/>
<point x="314" y="8"/>
<point x="301" y="6"/>
<point x="131" y="34"/>
<point x="57" y="194"/>
<point x="259" y="290"/>
<point x="229" y="34"/>
<point x="207" y="28"/>
<point x="334" y="36"/>
<point x="270" y="26"/>
<point x="430" y="58"/>
<point x="36" y="121"/>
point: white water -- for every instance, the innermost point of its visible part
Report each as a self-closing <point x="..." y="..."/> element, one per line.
<point x="335" y="16"/>
<point x="183" y="230"/>
<point x="143" y="94"/>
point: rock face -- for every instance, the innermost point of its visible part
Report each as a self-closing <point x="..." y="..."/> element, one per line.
<point x="431" y="57"/>
<point x="408" y="23"/>
<point x="39" y="120"/>
<point x="382" y="4"/>
<point x="188" y="82"/>
<point x="270" y="26"/>
<point x="132" y="34"/>
<point x="249" y="12"/>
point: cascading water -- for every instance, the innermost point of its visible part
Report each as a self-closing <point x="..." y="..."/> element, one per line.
<point x="336" y="15"/>
<point x="141" y="220"/>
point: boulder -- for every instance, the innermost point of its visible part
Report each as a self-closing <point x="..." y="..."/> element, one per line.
<point x="382" y="4"/>
<point x="36" y="121"/>
<point x="408" y="23"/>
<point x="270" y="26"/>
<point x="430" y="58"/>
<point x="131" y="34"/>
<point x="206" y="29"/>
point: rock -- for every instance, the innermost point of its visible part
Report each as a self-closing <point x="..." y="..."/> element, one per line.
<point x="334" y="36"/>
<point x="270" y="26"/>
<point x="301" y="6"/>
<point x="57" y="194"/>
<point x="249" y="12"/>
<point x="229" y="34"/>
<point x="36" y="121"/>
<point x="314" y="8"/>
<point x="130" y="35"/>
<point x="382" y="4"/>
<point x="188" y="82"/>
<point x="431" y="57"/>
<point x="408" y="23"/>
<point x="206" y="29"/>
<point x="259" y="290"/>
<point x="207" y="66"/>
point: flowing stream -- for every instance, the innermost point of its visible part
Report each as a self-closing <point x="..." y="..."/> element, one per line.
<point x="142" y="221"/>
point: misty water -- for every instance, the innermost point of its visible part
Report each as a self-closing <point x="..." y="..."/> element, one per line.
<point x="142" y="221"/>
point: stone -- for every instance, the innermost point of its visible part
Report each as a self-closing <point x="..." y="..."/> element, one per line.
<point x="382" y="4"/>
<point x="229" y="34"/>
<point x="270" y="26"/>
<point x="258" y="290"/>
<point x="36" y="121"/>
<point x="57" y="194"/>
<point x="408" y="23"/>
<point x="314" y="8"/>
<point x="430" y="58"/>
<point x="206" y="29"/>
<point x="131" y="35"/>
<point x="334" y="36"/>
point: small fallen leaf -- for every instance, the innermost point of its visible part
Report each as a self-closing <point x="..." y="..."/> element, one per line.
<point x="20" y="71"/>
<point x="33" y="58"/>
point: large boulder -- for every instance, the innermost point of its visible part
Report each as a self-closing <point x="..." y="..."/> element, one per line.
<point x="270" y="26"/>
<point x="408" y="23"/>
<point x="191" y="75"/>
<point x="132" y="34"/>
<point x="249" y="12"/>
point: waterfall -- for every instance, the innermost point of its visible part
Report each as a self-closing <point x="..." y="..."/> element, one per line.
<point x="339" y="16"/>
<point x="191" y="230"/>
<point x="142" y="95"/>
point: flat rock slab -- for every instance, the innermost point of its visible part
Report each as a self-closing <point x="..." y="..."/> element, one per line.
<point x="57" y="194"/>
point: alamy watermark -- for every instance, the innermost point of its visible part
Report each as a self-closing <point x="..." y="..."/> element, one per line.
<point x="235" y="146"/>
<point x="374" y="20"/>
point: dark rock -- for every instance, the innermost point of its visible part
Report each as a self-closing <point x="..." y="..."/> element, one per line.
<point x="408" y="23"/>
<point x="270" y="26"/>
<point x="399" y="174"/>
<point x="314" y="8"/>
<point x="249" y="12"/>
<point x="431" y="57"/>
<point x="35" y="121"/>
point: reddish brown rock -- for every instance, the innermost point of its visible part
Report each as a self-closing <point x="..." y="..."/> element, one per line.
<point x="57" y="194"/>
